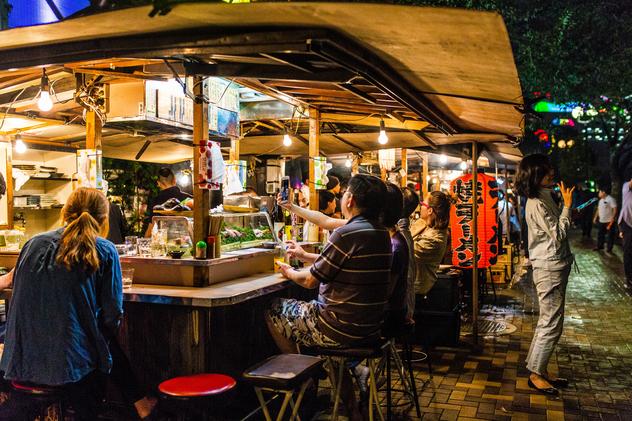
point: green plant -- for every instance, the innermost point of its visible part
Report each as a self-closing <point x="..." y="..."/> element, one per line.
<point x="133" y="182"/>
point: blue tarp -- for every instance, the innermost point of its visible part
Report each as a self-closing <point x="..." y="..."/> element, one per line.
<point x="35" y="12"/>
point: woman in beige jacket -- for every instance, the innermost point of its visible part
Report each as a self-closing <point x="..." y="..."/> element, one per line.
<point x="430" y="235"/>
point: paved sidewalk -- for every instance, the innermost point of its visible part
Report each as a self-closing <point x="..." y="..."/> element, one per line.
<point x="595" y="353"/>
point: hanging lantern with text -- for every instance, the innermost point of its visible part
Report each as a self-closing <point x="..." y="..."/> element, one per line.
<point x="462" y="225"/>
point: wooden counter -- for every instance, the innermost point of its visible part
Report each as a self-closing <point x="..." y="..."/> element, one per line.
<point x="222" y="294"/>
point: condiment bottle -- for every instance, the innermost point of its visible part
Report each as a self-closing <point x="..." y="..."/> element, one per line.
<point x="200" y="250"/>
<point x="210" y="249"/>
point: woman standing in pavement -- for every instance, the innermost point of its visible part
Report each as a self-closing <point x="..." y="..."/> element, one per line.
<point x="551" y="257"/>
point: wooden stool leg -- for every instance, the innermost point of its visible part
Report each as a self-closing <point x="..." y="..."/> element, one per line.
<point x="373" y="395"/>
<point x="262" y="402"/>
<point x="286" y="401"/>
<point x="389" y="402"/>
<point x="338" y="386"/>
<point x="296" y="406"/>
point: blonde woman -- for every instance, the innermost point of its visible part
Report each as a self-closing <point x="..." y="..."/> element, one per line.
<point x="67" y="292"/>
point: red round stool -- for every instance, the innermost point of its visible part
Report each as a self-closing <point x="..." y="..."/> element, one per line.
<point x="48" y="401"/>
<point x="192" y="393"/>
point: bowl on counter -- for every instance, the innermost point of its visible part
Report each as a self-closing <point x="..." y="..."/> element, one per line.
<point x="175" y="254"/>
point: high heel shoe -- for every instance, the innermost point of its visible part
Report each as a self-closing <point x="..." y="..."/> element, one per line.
<point x="551" y="391"/>
<point x="559" y="382"/>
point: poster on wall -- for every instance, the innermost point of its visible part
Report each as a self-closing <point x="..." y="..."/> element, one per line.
<point x="462" y="226"/>
<point x="6" y="189"/>
<point x="89" y="173"/>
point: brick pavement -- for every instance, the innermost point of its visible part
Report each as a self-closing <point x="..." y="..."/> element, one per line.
<point x="595" y="353"/>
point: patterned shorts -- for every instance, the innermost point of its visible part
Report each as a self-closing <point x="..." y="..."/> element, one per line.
<point x="298" y="322"/>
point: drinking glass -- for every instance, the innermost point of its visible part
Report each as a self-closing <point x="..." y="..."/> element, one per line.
<point x="128" y="277"/>
<point x="144" y="247"/>
<point x="131" y="241"/>
<point x="121" y="249"/>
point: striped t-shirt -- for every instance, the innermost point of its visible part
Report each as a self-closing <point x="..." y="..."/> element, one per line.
<point x="353" y="271"/>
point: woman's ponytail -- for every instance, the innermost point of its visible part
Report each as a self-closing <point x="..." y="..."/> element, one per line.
<point x="86" y="214"/>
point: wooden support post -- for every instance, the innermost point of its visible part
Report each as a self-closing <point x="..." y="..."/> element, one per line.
<point x="314" y="146"/>
<point x="404" y="179"/>
<point x="201" y="197"/>
<point x="93" y="130"/>
<point x="424" y="175"/>
<point x="355" y="164"/>
<point x="234" y="150"/>
<point x="475" y="242"/>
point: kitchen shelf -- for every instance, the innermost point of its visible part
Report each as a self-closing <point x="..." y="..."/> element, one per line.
<point x="50" y="179"/>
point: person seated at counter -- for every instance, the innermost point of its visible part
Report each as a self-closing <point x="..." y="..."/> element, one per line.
<point x="430" y="235"/>
<point x="168" y="190"/>
<point x="67" y="288"/>
<point x="411" y="203"/>
<point x="6" y="280"/>
<point x="352" y="275"/>
<point x="333" y="186"/>
<point x="398" y="288"/>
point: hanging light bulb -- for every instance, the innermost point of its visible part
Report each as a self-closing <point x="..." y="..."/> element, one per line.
<point x="443" y="159"/>
<point x="44" y="103"/>
<point x="287" y="140"/>
<point x="382" y="138"/>
<point x="20" y="146"/>
<point x="348" y="162"/>
<point x="463" y="165"/>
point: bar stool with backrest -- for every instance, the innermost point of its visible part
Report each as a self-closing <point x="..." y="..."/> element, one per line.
<point x="283" y="374"/>
<point x="193" y="394"/>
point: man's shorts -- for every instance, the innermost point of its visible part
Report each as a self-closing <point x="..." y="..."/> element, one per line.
<point x="298" y="321"/>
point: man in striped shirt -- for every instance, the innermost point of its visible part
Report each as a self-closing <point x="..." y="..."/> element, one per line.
<point x="352" y="275"/>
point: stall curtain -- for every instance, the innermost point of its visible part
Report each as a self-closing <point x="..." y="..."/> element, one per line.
<point x="462" y="225"/>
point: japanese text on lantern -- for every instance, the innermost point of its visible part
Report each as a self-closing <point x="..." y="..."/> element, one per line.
<point x="462" y="225"/>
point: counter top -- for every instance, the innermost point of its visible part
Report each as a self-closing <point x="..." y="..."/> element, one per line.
<point x="222" y="294"/>
<point x="229" y="256"/>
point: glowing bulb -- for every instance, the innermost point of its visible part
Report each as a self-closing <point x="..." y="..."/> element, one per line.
<point x="382" y="138"/>
<point x="45" y="103"/>
<point x="184" y="180"/>
<point x="348" y="163"/>
<point x="443" y="159"/>
<point x="287" y="140"/>
<point x="463" y="165"/>
<point x="561" y="144"/>
<point x="20" y="146"/>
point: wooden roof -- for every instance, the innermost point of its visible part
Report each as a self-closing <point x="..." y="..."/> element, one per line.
<point x="445" y="71"/>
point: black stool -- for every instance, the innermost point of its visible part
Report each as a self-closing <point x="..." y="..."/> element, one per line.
<point x="285" y="374"/>
<point x="371" y="354"/>
<point x="47" y="400"/>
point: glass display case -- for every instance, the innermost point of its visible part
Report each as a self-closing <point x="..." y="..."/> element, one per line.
<point x="179" y="232"/>
<point x="244" y="230"/>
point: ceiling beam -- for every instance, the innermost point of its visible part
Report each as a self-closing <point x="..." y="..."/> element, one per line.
<point x="425" y="138"/>
<point x="264" y="72"/>
<point x="361" y="120"/>
<point x="120" y="74"/>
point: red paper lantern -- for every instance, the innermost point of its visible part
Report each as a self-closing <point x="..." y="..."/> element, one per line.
<point x="462" y="225"/>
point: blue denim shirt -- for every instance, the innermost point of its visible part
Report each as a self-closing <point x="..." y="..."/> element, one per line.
<point x="57" y="317"/>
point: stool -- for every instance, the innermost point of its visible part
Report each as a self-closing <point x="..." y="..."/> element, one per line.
<point x="285" y="374"/>
<point x="48" y="400"/>
<point x="371" y="354"/>
<point x="403" y="336"/>
<point x="190" y="390"/>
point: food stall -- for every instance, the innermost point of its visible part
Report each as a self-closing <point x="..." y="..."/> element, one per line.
<point x="331" y="81"/>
